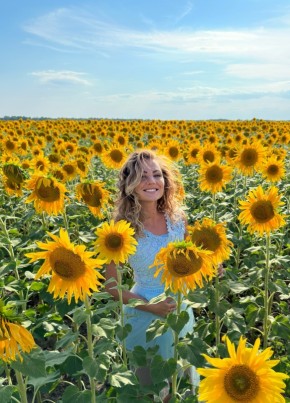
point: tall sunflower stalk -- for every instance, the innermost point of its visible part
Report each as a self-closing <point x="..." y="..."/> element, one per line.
<point x="260" y="213"/>
<point x="90" y="345"/>
<point x="10" y="250"/>
<point x="115" y="242"/>
<point x="183" y="267"/>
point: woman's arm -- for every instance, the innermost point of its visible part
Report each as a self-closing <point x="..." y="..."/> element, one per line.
<point x="162" y="308"/>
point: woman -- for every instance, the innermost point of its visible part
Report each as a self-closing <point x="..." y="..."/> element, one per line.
<point x="150" y="199"/>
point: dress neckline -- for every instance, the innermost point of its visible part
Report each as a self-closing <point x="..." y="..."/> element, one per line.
<point x="167" y="227"/>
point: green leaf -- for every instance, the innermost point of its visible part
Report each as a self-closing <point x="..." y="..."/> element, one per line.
<point x="120" y="379"/>
<point x="53" y="358"/>
<point x="6" y="393"/>
<point x="73" y="394"/>
<point x="68" y="338"/>
<point x="191" y="351"/>
<point x="33" y="364"/>
<point x="72" y="365"/>
<point x="80" y="316"/>
<point x="156" y="329"/>
<point x="97" y="368"/>
<point x="122" y="332"/>
<point x="281" y="327"/>
<point x="139" y="356"/>
<point x="161" y="369"/>
<point x="177" y="322"/>
<point x="43" y="380"/>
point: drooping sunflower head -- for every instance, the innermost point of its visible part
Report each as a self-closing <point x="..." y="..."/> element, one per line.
<point x="14" y="338"/>
<point x="47" y="194"/>
<point x="14" y="173"/>
<point x="246" y="376"/>
<point x="72" y="268"/>
<point x="211" y="236"/>
<point x="94" y="195"/>
<point x="260" y="210"/>
<point x="183" y="266"/>
<point x="115" y="241"/>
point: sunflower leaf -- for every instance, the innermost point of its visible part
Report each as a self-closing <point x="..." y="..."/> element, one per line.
<point x="156" y="329"/>
<point x="161" y="369"/>
<point x="177" y="322"/>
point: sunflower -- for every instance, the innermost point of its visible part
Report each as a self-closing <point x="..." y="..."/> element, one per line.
<point x="273" y="170"/>
<point x="208" y="153"/>
<point x="191" y="154"/>
<point x="14" y="338"/>
<point x="211" y="236"/>
<point x="47" y="194"/>
<point x="184" y="266"/>
<point x="9" y="145"/>
<point x="214" y="176"/>
<point x="246" y="376"/>
<point x="71" y="170"/>
<point x="173" y="150"/>
<point x="249" y="158"/>
<point x="71" y="267"/>
<point x="260" y="210"/>
<point x="14" y="172"/>
<point x="114" y="157"/>
<point x="115" y="241"/>
<point x="40" y="164"/>
<point x="94" y="196"/>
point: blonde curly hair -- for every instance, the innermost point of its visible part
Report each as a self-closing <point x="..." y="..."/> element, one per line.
<point x="127" y="205"/>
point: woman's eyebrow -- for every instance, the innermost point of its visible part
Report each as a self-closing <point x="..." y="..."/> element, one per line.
<point x="156" y="170"/>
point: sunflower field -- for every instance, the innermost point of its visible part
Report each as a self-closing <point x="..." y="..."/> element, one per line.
<point x="62" y="335"/>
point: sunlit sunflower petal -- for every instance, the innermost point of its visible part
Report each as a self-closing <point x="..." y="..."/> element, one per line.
<point x="183" y="266"/>
<point x="240" y="379"/>
<point x="72" y="268"/>
<point x="260" y="211"/>
<point x="115" y="241"/>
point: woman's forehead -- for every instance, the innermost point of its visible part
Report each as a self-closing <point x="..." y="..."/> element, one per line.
<point x="150" y="166"/>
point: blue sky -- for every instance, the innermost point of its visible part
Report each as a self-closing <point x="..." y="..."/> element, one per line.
<point x="145" y="59"/>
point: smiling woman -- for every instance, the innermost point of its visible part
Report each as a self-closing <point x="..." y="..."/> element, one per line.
<point x="150" y="200"/>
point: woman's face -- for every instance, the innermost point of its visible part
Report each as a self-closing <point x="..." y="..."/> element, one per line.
<point x="151" y="186"/>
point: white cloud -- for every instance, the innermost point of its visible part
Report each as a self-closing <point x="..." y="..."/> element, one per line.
<point x="58" y="77"/>
<point x="266" y="71"/>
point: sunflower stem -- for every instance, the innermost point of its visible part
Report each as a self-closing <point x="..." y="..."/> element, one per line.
<point x="266" y="291"/>
<point x="13" y="258"/>
<point x="65" y="220"/>
<point x="217" y="316"/>
<point x="175" y="352"/>
<point x="120" y="294"/>
<point x="43" y="220"/>
<point x="21" y="387"/>
<point x="90" y="346"/>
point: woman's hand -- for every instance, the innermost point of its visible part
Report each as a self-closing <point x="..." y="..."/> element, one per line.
<point x="162" y="308"/>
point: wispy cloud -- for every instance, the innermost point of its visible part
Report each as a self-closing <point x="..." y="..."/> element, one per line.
<point x="71" y="28"/>
<point x="61" y="77"/>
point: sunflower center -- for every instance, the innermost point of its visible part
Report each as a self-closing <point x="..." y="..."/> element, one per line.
<point x="241" y="383"/>
<point x="249" y="157"/>
<point x="10" y="145"/>
<point x="69" y="169"/>
<point x="193" y="153"/>
<point x="181" y="266"/>
<point x="262" y="211"/>
<point x="92" y="196"/>
<point x="114" y="241"/>
<point x="214" y="174"/>
<point x="173" y="152"/>
<point x="14" y="173"/>
<point x="116" y="155"/>
<point x="273" y="169"/>
<point x="66" y="264"/>
<point x="206" y="238"/>
<point x="48" y="193"/>
<point x="208" y="156"/>
<point x="12" y="185"/>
